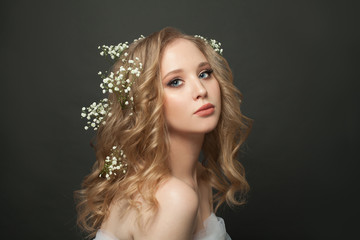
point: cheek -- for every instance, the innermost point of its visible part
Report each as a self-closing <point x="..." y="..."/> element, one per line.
<point x="215" y="91"/>
<point x="172" y="107"/>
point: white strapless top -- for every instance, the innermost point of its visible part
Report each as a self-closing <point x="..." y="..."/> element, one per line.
<point x="214" y="229"/>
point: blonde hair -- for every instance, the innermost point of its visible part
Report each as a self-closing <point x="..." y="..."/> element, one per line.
<point x="143" y="137"/>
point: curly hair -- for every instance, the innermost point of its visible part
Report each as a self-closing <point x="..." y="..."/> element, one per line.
<point x="143" y="136"/>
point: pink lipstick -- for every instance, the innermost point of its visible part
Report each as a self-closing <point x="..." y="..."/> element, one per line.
<point x="205" y="110"/>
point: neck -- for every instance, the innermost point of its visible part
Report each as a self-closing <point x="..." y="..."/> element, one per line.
<point x="183" y="158"/>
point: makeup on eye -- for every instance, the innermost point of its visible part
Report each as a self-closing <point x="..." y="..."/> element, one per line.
<point x="177" y="82"/>
<point x="207" y="73"/>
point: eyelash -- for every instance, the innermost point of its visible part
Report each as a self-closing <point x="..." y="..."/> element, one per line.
<point x="207" y="71"/>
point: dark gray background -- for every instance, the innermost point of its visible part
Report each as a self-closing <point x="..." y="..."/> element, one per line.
<point x="296" y="63"/>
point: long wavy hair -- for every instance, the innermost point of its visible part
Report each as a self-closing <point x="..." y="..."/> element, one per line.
<point x="143" y="136"/>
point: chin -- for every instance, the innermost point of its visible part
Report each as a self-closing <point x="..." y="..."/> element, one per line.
<point x="197" y="127"/>
<point x="206" y="128"/>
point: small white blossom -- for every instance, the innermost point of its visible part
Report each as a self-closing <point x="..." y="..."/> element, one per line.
<point x="213" y="43"/>
<point x="114" y="163"/>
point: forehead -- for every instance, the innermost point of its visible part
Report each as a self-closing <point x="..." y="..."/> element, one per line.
<point x="180" y="54"/>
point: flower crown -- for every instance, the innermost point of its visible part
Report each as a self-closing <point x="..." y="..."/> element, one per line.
<point x="119" y="83"/>
<point x="213" y="43"/>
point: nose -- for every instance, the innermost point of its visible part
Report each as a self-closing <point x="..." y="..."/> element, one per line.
<point x="199" y="90"/>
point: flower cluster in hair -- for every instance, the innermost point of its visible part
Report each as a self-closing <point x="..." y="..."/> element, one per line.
<point x="114" y="164"/>
<point x="213" y="43"/>
<point x="118" y="82"/>
<point x="96" y="113"/>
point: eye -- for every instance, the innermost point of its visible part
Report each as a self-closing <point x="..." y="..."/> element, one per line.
<point x="175" y="83"/>
<point x="205" y="74"/>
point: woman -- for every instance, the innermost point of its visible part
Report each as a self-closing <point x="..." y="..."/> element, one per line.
<point x="171" y="97"/>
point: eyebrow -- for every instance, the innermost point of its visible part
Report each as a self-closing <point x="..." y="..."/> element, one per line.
<point x="181" y="70"/>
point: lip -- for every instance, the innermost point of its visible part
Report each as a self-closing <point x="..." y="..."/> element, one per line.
<point x="205" y="110"/>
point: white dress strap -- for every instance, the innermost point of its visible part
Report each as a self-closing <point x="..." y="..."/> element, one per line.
<point x="101" y="235"/>
<point x="214" y="229"/>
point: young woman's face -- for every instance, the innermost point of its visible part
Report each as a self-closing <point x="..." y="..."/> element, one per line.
<point x="191" y="92"/>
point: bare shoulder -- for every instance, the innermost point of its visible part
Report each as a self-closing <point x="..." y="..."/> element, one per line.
<point x="177" y="211"/>
<point x="176" y="198"/>
<point x="175" y="191"/>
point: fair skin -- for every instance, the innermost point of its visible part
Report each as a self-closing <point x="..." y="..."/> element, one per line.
<point x="185" y="200"/>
